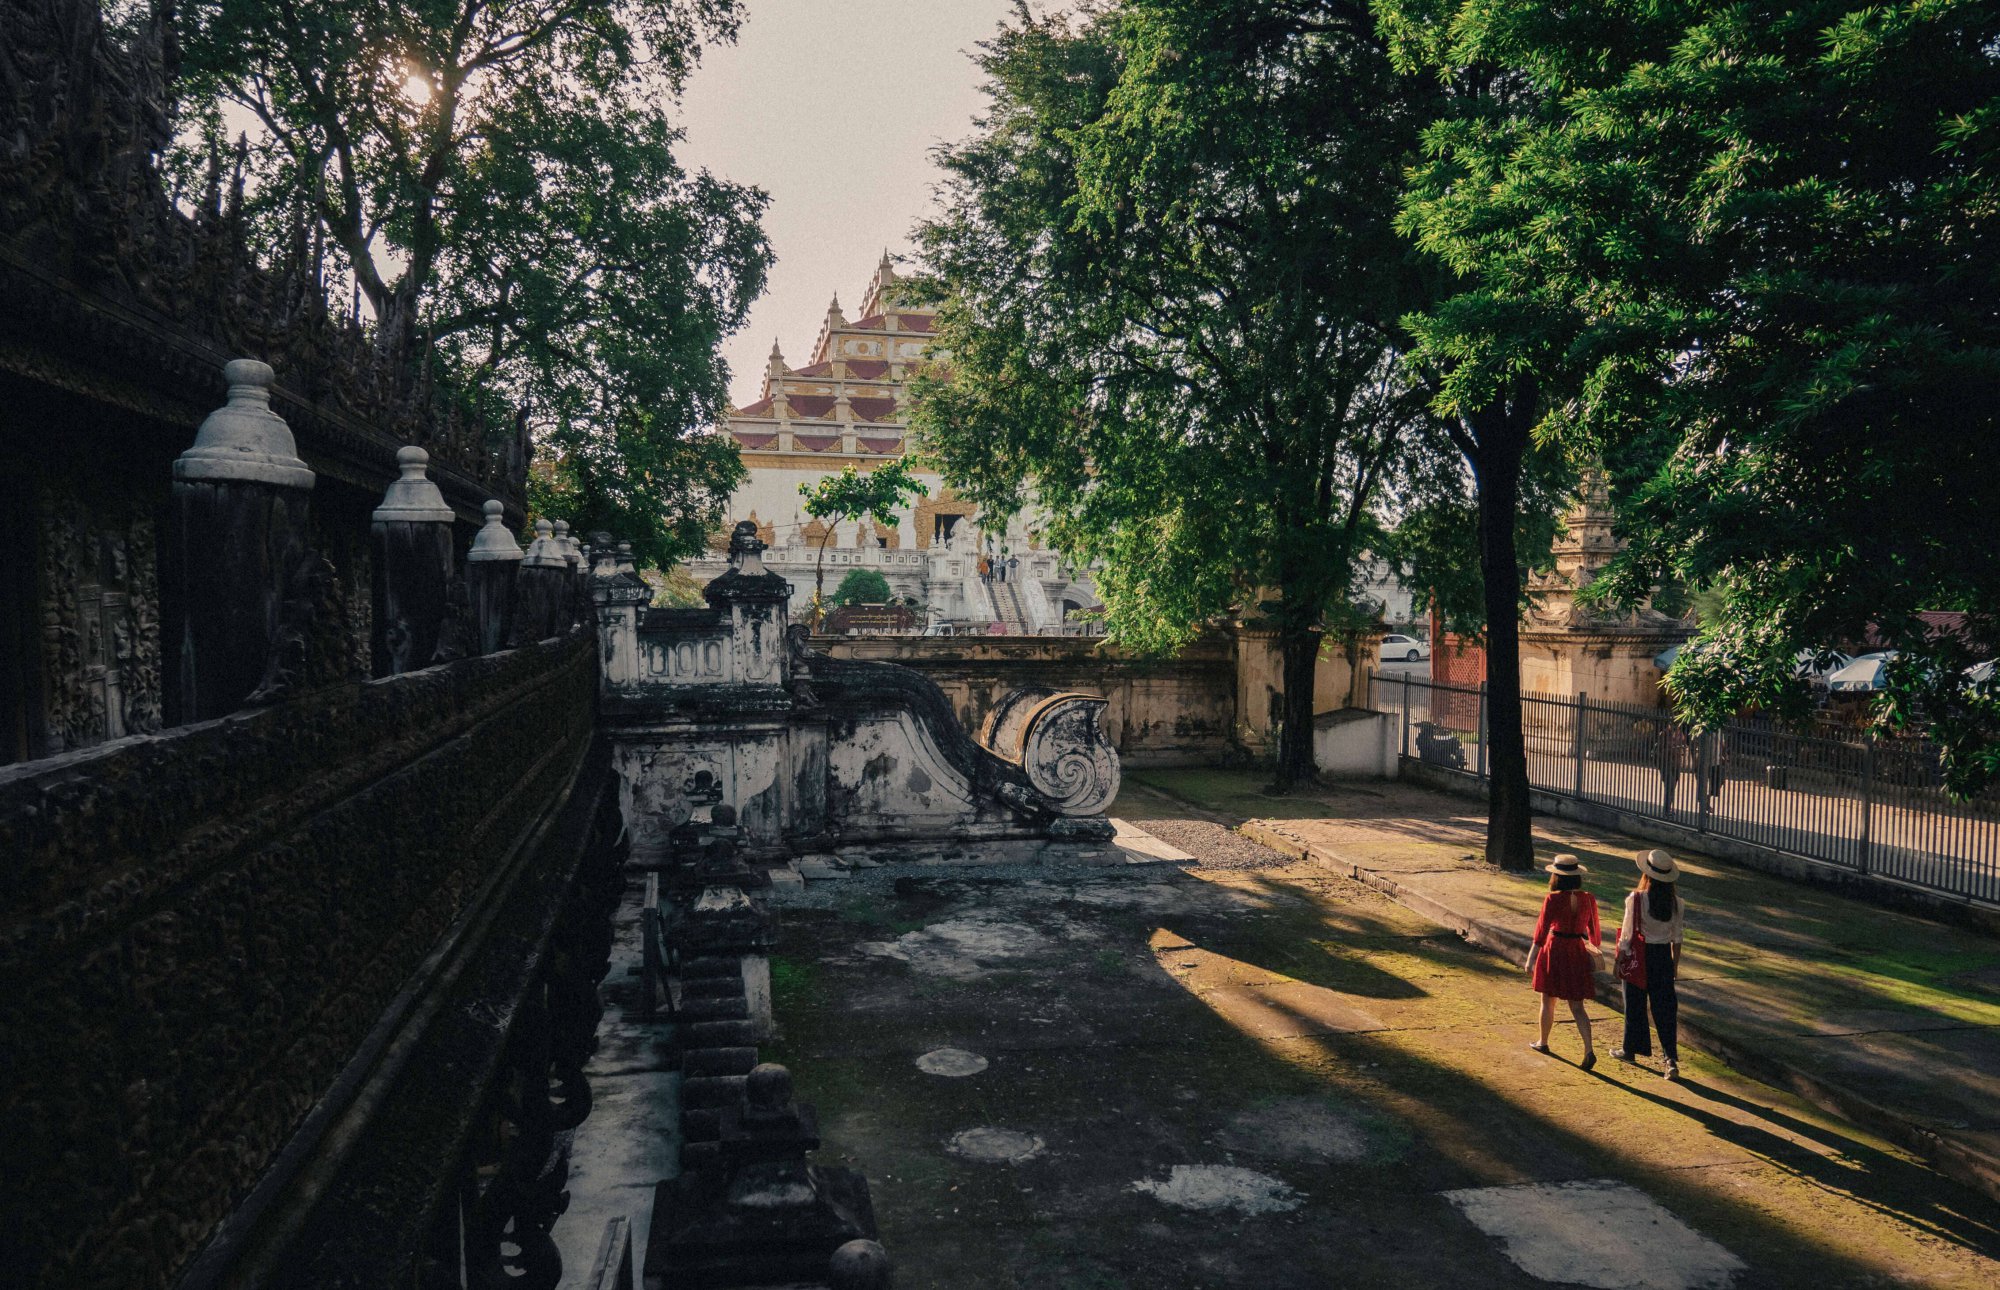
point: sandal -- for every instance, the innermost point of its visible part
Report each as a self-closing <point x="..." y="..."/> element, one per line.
<point x="1589" y="1060"/>
<point x="1540" y="1047"/>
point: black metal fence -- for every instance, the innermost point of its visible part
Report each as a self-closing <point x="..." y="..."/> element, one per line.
<point x="1875" y="807"/>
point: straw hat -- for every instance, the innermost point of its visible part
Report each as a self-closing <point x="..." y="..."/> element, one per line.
<point x="1564" y="865"/>
<point x="1658" y="865"/>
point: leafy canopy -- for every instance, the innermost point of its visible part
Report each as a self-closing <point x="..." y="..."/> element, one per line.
<point x="497" y="179"/>
<point x="862" y="587"/>
<point x="1758" y="242"/>
<point x="1167" y="281"/>
<point x="854" y="493"/>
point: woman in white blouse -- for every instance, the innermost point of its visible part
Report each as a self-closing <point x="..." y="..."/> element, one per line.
<point x="1653" y="910"/>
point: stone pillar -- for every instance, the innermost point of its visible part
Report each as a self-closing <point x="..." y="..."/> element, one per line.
<point x="620" y="596"/>
<point x="755" y="600"/>
<point x="491" y="568"/>
<point x="239" y="513"/>
<point x="541" y="591"/>
<point x="411" y="535"/>
<point x="579" y="568"/>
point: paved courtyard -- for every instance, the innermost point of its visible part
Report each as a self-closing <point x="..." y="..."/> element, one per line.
<point x="1245" y="1071"/>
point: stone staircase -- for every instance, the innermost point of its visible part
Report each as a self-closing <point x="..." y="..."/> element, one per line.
<point x="1007" y="604"/>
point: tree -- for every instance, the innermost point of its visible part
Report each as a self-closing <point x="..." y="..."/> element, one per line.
<point x="1491" y="344"/>
<point x="1777" y="225"/>
<point x="1802" y="401"/>
<point x="862" y="587"/>
<point x="1168" y="281"/>
<point x="498" y="181"/>
<point x="855" y="494"/>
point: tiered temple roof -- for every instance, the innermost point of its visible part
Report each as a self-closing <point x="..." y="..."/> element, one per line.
<point x="846" y="404"/>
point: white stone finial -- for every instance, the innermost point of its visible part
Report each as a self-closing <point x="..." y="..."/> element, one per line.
<point x="413" y="498"/>
<point x="571" y="545"/>
<point x="494" y="542"/>
<point x="545" y="552"/>
<point x="243" y="440"/>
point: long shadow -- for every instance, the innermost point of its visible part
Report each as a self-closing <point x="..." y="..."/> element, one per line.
<point x="1446" y="1110"/>
<point x="1972" y="1222"/>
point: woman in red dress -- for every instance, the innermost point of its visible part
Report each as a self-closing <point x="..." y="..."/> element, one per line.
<point x="1563" y="960"/>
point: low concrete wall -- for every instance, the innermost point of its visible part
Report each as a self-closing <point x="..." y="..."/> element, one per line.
<point x="1178" y="711"/>
<point x="1886" y="892"/>
<point x="1355" y="743"/>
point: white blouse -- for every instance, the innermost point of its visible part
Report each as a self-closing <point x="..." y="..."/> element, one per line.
<point x="1657" y="931"/>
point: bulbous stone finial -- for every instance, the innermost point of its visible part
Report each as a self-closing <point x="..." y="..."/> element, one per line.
<point x="494" y="541"/>
<point x="545" y="552"/>
<point x="413" y="498"/>
<point x="767" y="1091"/>
<point x="567" y="543"/>
<point x="243" y="440"/>
<point x="858" y="1265"/>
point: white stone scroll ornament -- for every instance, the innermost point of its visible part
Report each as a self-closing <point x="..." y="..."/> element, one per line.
<point x="1058" y="741"/>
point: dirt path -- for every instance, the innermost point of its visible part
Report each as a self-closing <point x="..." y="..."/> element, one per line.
<point x="1259" y="1074"/>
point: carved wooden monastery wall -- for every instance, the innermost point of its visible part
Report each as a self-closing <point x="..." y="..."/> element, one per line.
<point x="202" y="927"/>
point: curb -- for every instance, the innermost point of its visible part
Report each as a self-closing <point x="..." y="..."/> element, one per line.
<point x="1954" y="1157"/>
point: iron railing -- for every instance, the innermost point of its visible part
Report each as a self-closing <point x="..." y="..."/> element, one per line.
<point x="1875" y="807"/>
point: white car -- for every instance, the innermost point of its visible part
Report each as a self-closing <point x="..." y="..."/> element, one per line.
<point x="1403" y="649"/>
<point x="1864" y="674"/>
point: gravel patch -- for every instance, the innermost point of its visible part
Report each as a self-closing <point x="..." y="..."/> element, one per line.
<point x="1214" y="846"/>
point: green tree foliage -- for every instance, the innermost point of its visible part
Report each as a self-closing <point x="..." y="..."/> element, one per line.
<point x="1168" y="282"/>
<point x="1490" y="344"/>
<point x="862" y="587"/>
<point x="498" y="181"/>
<point x="856" y="494"/>
<point x="1761" y="242"/>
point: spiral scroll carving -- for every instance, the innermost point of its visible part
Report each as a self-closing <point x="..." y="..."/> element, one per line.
<point x="1058" y="741"/>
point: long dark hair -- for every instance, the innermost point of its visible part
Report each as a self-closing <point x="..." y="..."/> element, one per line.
<point x="1565" y="881"/>
<point x="1660" y="897"/>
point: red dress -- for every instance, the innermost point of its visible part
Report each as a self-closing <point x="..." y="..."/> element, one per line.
<point x="1563" y="967"/>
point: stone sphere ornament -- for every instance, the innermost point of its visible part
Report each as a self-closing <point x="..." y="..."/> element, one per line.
<point x="858" y="1265"/>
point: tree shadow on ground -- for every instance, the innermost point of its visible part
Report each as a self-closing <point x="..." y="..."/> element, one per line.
<point x="1112" y="1109"/>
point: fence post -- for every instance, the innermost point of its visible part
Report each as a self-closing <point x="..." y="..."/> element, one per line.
<point x="1704" y="759"/>
<point x="1576" y="737"/>
<point x="1406" y="714"/>
<point x="1867" y="795"/>
<point x="1482" y="730"/>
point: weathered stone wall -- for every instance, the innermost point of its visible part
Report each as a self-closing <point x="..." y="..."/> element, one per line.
<point x="200" y="927"/>
<point x="1260" y="682"/>
<point x="1177" y="711"/>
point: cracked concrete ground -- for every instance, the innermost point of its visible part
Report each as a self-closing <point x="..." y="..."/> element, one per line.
<point x="1258" y="1073"/>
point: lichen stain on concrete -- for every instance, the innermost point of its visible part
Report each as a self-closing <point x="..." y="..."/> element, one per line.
<point x="1215" y="1187"/>
<point x="878" y="768"/>
<point x="1302" y="1129"/>
<point x="993" y="1146"/>
<point x="1598" y="1232"/>
<point x="952" y="1063"/>
<point x="919" y="782"/>
<point x="962" y="948"/>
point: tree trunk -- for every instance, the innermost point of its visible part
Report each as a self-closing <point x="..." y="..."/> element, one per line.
<point x="1299" y="647"/>
<point x="1497" y="470"/>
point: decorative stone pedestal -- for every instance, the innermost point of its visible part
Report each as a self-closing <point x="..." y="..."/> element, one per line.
<point x="239" y="514"/>
<point x="411" y="535"/>
<point x="492" y="567"/>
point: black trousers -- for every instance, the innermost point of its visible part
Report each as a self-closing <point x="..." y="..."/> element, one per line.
<point x="1666" y="1005"/>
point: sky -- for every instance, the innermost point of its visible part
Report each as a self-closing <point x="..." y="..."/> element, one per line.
<point x="832" y="107"/>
